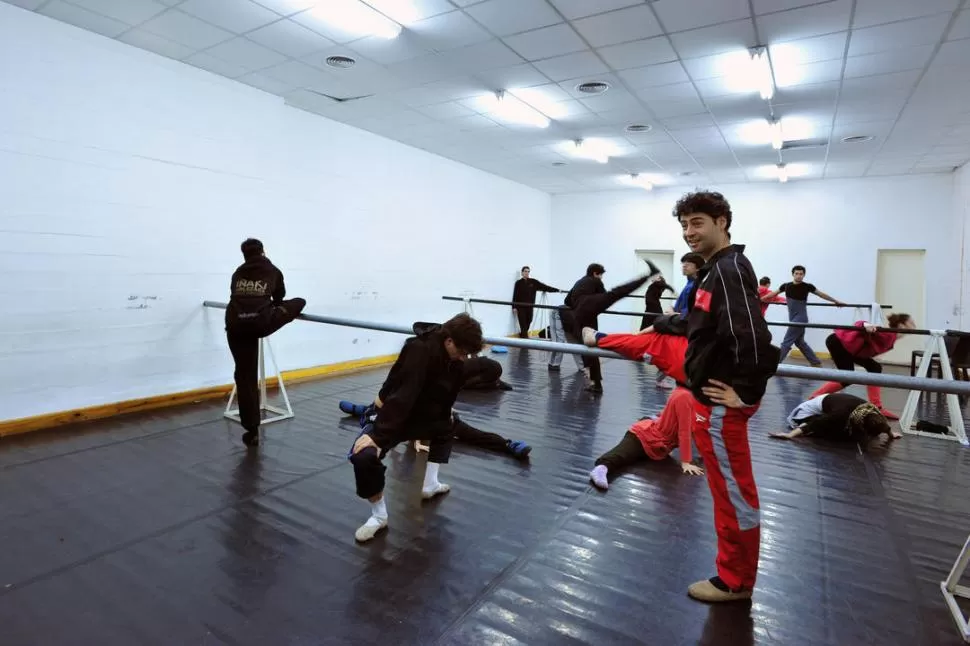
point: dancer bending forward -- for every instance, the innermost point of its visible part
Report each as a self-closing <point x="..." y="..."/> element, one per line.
<point x="838" y="417"/>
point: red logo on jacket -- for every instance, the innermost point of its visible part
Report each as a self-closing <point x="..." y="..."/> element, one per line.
<point x="703" y="300"/>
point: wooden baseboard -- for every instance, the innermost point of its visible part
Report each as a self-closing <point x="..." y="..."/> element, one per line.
<point x="65" y="418"/>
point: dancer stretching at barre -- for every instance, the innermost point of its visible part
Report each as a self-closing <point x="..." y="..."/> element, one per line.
<point x="838" y="417"/>
<point x="418" y="396"/>
<point x="849" y="348"/>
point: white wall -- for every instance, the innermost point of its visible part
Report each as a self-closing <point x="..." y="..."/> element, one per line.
<point x="127" y="182"/>
<point x="833" y="227"/>
<point x="961" y="210"/>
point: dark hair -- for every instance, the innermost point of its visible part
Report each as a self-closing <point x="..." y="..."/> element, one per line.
<point x="466" y="333"/>
<point x="251" y="248"/>
<point x="797" y="268"/>
<point x="709" y="203"/>
<point x="875" y="424"/>
<point x="524" y="267"/>
<point x="694" y="258"/>
<point x="595" y="268"/>
<point x="895" y="320"/>
<point x="765" y="281"/>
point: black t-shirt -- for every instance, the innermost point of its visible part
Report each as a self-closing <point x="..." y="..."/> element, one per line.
<point x="797" y="291"/>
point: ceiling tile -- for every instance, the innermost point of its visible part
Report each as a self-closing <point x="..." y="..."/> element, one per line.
<point x="450" y="31"/>
<point x="956" y="52"/>
<point x="290" y="38"/>
<point x="574" y="9"/>
<point x="961" y="26"/>
<point x="815" y="20"/>
<point x="716" y="39"/>
<point x="638" y="53"/>
<point x="873" y="88"/>
<point x="74" y="15"/>
<point x="653" y="75"/>
<point x="673" y="92"/>
<point x="692" y="127"/>
<point x="490" y="55"/>
<point x="426" y="69"/>
<point x="238" y="16"/>
<point x="896" y="60"/>
<point x="475" y="122"/>
<point x="406" y="13"/>
<point x="876" y="12"/>
<point x="634" y="23"/>
<point x="846" y="169"/>
<point x="566" y="67"/>
<point x="524" y="75"/>
<point x="132" y="12"/>
<point x="546" y="43"/>
<point x="736" y="108"/>
<point x="296" y="74"/>
<point x="809" y="50"/>
<point x="613" y="100"/>
<point x="157" y="44"/>
<point x="282" y="7"/>
<point x="664" y="109"/>
<point x="245" y="53"/>
<point x="505" y="17"/>
<point x="546" y="93"/>
<point x="909" y="33"/>
<point x="817" y="92"/>
<point x="878" y="129"/>
<point x="215" y="65"/>
<point x="678" y="15"/>
<point x="386" y="52"/>
<point x="183" y="28"/>
<point x="810" y="74"/>
<point x="31" y="4"/>
<point x="771" y="6"/>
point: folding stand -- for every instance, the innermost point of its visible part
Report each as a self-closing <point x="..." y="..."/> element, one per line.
<point x="951" y="589"/>
<point x="280" y="413"/>
<point x="957" y="430"/>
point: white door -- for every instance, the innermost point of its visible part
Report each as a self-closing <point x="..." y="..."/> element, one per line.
<point x="901" y="282"/>
<point x="671" y="272"/>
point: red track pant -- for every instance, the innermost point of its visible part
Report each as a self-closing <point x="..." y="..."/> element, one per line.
<point x="664" y="351"/>
<point x="721" y="435"/>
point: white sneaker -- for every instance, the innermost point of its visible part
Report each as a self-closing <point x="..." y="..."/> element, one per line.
<point x="589" y="337"/>
<point x="369" y="529"/>
<point x="440" y="488"/>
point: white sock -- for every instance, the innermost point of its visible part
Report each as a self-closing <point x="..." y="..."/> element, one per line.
<point x="378" y="509"/>
<point x="598" y="476"/>
<point x="431" y="476"/>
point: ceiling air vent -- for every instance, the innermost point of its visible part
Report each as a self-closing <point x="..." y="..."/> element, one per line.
<point x="857" y="139"/>
<point x="638" y="127"/>
<point x="805" y="143"/>
<point x="558" y="164"/>
<point x="341" y="62"/>
<point x="593" y="87"/>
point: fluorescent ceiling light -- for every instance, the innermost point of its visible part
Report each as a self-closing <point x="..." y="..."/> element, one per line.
<point x="593" y="149"/>
<point x="540" y="101"/>
<point x="763" y="131"/>
<point x="355" y="17"/>
<point x="403" y="11"/>
<point x="505" y="106"/>
<point x="782" y="173"/>
<point x="747" y="71"/>
<point x="642" y="181"/>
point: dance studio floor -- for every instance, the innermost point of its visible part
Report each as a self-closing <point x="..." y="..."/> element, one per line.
<point x="160" y="528"/>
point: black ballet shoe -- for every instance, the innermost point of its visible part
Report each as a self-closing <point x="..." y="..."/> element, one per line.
<point x="251" y="438"/>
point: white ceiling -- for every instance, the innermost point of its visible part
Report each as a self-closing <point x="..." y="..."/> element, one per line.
<point x="898" y="70"/>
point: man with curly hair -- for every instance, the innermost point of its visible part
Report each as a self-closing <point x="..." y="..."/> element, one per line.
<point x="728" y="363"/>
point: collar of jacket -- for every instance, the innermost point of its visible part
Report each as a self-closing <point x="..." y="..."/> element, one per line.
<point x="731" y="248"/>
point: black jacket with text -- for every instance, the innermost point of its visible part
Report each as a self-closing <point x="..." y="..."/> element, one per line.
<point x="728" y="338"/>
<point x="420" y="390"/>
<point x="255" y="287"/>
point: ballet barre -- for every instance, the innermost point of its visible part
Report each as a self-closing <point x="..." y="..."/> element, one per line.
<point x="820" y="326"/>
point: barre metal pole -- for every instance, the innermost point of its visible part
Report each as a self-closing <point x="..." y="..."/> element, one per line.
<point x="819" y="326"/>
<point x="859" y="305"/>
<point x="784" y="370"/>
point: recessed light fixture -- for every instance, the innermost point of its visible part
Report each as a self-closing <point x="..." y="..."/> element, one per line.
<point x="857" y="139"/>
<point x="593" y="87"/>
<point x="341" y="62"/>
<point x="638" y="127"/>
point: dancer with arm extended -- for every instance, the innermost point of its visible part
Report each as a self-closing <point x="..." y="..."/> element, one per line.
<point x="796" y="293"/>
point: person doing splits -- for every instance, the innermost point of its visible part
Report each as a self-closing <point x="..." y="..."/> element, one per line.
<point x="417" y="396"/>
<point x="849" y="348"/>
<point x="838" y="417"/>
<point x="256" y="310"/>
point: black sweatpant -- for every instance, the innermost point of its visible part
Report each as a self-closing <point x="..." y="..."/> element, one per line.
<point x="481" y="373"/>
<point x="524" y="314"/>
<point x="845" y="361"/>
<point x="243" y="338"/>
<point x="369" y="469"/>
<point x="628" y="451"/>
<point x="472" y="436"/>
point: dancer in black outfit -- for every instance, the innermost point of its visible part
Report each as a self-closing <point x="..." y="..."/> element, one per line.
<point x="525" y="292"/>
<point x="256" y="309"/>
<point x="839" y="417"/>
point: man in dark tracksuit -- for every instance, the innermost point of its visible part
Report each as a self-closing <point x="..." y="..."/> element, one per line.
<point x="256" y="309"/>
<point x="417" y="399"/>
<point x="525" y="292"/>
<point x="728" y="363"/>
<point x="586" y="301"/>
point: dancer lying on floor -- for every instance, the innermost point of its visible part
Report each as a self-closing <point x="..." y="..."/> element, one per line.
<point x="652" y="439"/>
<point x="839" y="417"/>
